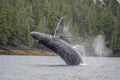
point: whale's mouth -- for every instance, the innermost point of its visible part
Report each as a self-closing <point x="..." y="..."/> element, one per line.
<point x="37" y="36"/>
<point x="33" y="34"/>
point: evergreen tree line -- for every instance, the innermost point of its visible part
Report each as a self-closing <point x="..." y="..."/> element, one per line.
<point x="85" y="17"/>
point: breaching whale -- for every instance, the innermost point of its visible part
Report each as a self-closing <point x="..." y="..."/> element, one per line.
<point x="60" y="47"/>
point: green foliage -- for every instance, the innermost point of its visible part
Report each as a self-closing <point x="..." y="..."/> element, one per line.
<point x="86" y="19"/>
<point x="14" y="23"/>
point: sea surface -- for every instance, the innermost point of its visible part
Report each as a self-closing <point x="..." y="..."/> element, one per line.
<point x="53" y="68"/>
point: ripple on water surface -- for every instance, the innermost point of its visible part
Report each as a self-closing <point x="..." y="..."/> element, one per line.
<point x="54" y="68"/>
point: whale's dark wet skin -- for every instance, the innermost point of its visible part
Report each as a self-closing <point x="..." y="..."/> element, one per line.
<point x="60" y="47"/>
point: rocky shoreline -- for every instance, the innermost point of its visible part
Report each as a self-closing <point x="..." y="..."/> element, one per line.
<point x="41" y="51"/>
<point x="25" y="50"/>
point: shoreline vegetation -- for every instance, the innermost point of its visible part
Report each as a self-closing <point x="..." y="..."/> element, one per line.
<point x="25" y="50"/>
<point x="38" y="51"/>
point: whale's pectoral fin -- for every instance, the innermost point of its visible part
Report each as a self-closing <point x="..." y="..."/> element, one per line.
<point x="59" y="28"/>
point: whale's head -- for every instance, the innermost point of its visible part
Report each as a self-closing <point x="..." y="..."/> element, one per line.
<point x="39" y="37"/>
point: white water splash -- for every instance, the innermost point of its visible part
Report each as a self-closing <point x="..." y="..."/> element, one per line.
<point x="81" y="51"/>
<point x="68" y="34"/>
<point x="100" y="47"/>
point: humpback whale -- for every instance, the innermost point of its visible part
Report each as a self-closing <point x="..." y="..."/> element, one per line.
<point x="60" y="47"/>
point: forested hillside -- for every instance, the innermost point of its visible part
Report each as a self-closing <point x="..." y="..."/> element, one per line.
<point x="86" y="18"/>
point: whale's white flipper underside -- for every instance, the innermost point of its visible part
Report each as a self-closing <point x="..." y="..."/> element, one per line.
<point x="59" y="28"/>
